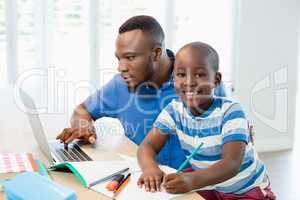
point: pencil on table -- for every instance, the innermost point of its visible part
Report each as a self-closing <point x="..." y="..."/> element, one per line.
<point x="122" y="185"/>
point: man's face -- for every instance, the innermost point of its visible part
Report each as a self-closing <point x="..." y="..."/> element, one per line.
<point x="194" y="80"/>
<point x="135" y="55"/>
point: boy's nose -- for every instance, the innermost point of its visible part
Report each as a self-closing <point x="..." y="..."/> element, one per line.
<point x="190" y="81"/>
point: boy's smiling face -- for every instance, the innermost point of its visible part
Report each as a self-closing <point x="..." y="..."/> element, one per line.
<point x="194" y="79"/>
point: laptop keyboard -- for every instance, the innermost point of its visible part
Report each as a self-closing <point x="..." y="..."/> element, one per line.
<point x="73" y="154"/>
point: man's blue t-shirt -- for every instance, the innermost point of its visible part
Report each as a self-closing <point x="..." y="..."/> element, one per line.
<point x="137" y="112"/>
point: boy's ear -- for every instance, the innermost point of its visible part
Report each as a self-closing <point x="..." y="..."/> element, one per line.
<point x="218" y="78"/>
<point x="157" y="51"/>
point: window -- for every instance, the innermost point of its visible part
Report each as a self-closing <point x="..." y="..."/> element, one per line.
<point x="74" y="40"/>
<point x="52" y="42"/>
<point x="67" y="51"/>
<point x="111" y="15"/>
<point x="206" y="21"/>
<point x="26" y="26"/>
<point x="69" y="36"/>
<point x="3" y="66"/>
<point x="178" y="18"/>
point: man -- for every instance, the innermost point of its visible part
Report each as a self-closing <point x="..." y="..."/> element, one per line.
<point x="137" y="94"/>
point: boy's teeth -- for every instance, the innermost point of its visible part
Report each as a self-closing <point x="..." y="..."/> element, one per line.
<point x="192" y="93"/>
<point x="189" y="93"/>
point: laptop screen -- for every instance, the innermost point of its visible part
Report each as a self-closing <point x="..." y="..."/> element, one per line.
<point x="35" y="123"/>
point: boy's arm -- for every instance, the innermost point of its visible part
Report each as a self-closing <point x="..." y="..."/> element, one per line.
<point x="226" y="168"/>
<point x="152" y="144"/>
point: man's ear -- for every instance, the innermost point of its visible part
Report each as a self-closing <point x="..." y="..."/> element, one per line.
<point x="218" y="78"/>
<point x="157" y="51"/>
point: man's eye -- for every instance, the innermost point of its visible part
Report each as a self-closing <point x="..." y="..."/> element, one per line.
<point x="180" y="74"/>
<point x="130" y="57"/>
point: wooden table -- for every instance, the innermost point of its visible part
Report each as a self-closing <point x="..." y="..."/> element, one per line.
<point x="24" y="142"/>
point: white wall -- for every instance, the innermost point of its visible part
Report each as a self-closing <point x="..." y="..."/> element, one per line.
<point x="266" y="45"/>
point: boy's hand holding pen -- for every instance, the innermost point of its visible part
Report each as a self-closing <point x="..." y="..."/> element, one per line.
<point x="178" y="182"/>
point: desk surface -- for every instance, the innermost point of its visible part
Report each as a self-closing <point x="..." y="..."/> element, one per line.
<point x="24" y="142"/>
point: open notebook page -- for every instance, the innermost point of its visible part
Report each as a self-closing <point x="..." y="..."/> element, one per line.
<point x="132" y="191"/>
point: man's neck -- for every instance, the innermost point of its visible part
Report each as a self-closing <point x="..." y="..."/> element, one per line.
<point x="162" y="73"/>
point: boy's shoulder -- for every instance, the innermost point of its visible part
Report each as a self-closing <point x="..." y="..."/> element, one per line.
<point x="224" y="101"/>
<point x="228" y="105"/>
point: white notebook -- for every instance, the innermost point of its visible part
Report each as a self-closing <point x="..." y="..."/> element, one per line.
<point x="132" y="191"/>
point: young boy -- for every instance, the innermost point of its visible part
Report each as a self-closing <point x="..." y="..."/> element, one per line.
<point x="226" y="167"/>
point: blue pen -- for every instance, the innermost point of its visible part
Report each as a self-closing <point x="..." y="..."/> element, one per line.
<point x="189" y="158"/>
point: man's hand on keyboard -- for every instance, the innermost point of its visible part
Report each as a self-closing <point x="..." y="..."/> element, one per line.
<point x="87" y="134"/>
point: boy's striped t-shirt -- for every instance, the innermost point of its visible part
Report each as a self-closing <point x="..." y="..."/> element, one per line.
<point x="223" y="122"/>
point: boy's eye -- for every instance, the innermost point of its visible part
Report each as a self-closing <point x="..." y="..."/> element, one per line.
<point x="199" y="75"/>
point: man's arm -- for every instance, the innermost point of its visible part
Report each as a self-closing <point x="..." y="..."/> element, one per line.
<point x="80" y="116"/>
<point x="102" y="103"/>
<point x="82" y="127"/>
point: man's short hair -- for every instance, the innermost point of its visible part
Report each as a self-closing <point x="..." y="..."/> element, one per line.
<point x="206" y="50"/>
<point x="148" y="25"/>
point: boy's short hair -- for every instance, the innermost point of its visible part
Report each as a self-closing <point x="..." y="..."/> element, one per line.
<point x="206" y="50"/>
<point x="147" y="24"/>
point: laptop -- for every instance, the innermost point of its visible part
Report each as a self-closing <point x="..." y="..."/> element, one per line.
<point x="53" y="150"/>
